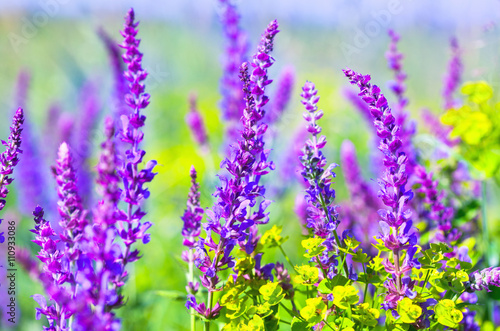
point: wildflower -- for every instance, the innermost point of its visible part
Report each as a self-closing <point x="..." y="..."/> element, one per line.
<point x="131" y="228"/>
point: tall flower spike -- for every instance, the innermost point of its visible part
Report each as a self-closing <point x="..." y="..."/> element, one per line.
<point x="282" y="94"/>
<point x="131" y="228"/>
<point x="453" y="76"/>
<point x="235" y="53"/>
<point x="53" y="275"/>
<point x="100" y="246"/>
<point x="230" y="217"/>
<point x="10" y="158"/>
<point x="70" y="204"/>
<point x="193" y="214"/>
<point x="82" y="142"/>
<point x="397" y="230"/>
<point x="321" y="214"/>
<point x="196" y="124"/>
<point x="438" y="214"/>
<point x="407" y="128"/>
<point x="116" y="63"/>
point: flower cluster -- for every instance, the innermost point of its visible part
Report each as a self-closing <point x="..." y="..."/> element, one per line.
<point x="453" y="76"/>
<point x="84" y="265"/>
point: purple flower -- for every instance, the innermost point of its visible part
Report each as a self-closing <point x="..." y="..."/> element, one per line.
<point x="438" y="129"/>
<point x="361" y="210"/>
<point x="321" y="213"/>
<point x="232" y="101"/>
<point x="10" y="157"/>
<point x="193" y="214"/>
<point x="438" y="213"/>
<point x="231" y="217"/>
<point x="55" y="272"/>
<point x="407" y="128"/>
<point x="196" y="124"/>
<point x="130" y="227"/>
<point x="98" y="280"/>
<point x="282" y="94"/>
<point x="483" y="279"/>
<point x="116" y="63"/>
<point x="397" y="230"/>
<point x="453" y="77"/>
<point x="70" y="208"/>
<point x="88" y="116"/>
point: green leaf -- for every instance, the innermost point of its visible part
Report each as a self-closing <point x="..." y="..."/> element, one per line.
<point x="298" y="325"/>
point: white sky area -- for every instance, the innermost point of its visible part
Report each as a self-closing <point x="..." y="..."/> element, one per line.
<point x="451" y="14"/>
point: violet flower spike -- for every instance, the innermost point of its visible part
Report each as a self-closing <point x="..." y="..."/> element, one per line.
<point x="407" y="128"/>
<point x="52" y="276"/>
<point x="397" y="230"/>
<point x="196" y="125"/>
<point x="235" y="53"/>
<point x="453" y="76"/>
<point x="87" y="119"/>
<point x="483" y="279"/>
<point x="70" y="208"/>
<point x="230" y="217"/>
<point x="117" y="66"/>
<point x="10" y="157"/>
<point x="282" y="95"/>
<point x="440" y="215"/>
<point x="361" y="210"/>
<point x="193" y="214"/>
<point x="321" y="214"/>
<point x="131" y="228"/>
<point x="100" y="246"/>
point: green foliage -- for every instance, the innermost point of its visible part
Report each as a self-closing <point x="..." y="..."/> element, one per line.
<point x="447" y="314"/>
<point x="476" y="123"/>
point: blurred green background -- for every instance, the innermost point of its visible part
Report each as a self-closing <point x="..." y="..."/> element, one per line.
<point x="182" y="45"/>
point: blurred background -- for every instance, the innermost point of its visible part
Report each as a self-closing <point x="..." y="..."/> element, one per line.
<point x="57" y="44"/>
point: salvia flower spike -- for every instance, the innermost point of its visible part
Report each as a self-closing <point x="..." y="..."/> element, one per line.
<point x="230" y="218"/>
<point x="10" y="157"/>
<point x="397" y="231"/>
<point x="131" y="228"/>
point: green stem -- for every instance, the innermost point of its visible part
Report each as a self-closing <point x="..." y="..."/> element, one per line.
<point x="484" y="220"/>
<point x="328" y="325"/>
<point x="191" y="279"/>
<point x="366" y="285"/>
<point x="339" y="244"/>
<point x="287" y="258"/>
<point x="207" y="323"/>
<point x="426" y="280"/>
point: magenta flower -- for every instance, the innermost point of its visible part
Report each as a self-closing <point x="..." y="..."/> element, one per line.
<point x="483" y="279"/>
